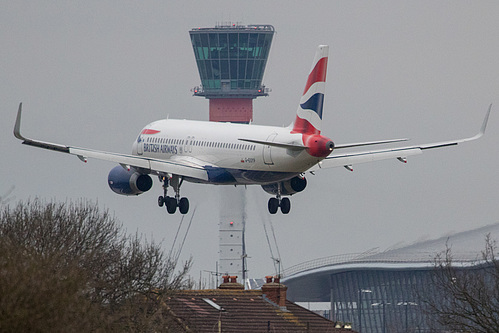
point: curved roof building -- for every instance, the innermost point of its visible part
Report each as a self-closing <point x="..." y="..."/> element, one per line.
<point x="378" y="291"/>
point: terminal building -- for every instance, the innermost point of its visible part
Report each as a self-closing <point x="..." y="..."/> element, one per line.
<point x="378" y="291"/>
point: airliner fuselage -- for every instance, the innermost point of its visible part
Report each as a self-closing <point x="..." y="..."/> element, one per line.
<point x="225" y="150"/>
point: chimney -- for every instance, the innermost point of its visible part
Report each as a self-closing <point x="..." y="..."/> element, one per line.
<point x="275" y="291"/>
<point x="230" y="282"/>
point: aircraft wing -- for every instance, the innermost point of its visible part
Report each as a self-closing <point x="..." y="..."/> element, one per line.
<point x="152" y="165"/>
<point x="401" y="153"/>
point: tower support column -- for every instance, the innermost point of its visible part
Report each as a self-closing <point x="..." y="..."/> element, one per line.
<point x="234" y="110"/>
<point x="232" y="254"/>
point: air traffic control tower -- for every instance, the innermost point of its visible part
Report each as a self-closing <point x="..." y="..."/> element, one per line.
<point x="231" y="60"/>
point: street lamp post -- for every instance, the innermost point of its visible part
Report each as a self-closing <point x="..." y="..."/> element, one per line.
<point x="406" y="304"/>
<point x="384" y="313"/>
<point x="359" y="307"/>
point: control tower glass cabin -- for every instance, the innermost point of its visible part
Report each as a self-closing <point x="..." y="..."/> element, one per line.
<point x="231" y="60"/>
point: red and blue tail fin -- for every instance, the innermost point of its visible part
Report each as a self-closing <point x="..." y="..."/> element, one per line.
<point x="309" y="113"/>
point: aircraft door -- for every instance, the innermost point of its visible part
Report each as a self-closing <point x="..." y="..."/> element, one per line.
<point x="188" y="144"/>
<point x="267" y="150"/>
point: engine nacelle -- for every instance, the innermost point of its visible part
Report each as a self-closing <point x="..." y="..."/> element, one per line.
<point x="129" y="182"/>
<point x="288" y="187"/>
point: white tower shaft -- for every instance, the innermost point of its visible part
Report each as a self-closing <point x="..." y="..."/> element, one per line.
<point x="231" y="231"/>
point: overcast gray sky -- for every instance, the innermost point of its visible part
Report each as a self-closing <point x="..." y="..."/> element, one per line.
<point x="93" y="73"/>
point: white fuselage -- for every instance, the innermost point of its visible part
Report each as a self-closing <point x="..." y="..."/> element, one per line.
<point x="218" y="148"/>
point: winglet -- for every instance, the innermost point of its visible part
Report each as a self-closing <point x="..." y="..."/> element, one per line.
<point x="17" y="126"/>
<point x="455" y="142"/>
<point x="485" y="121"/>
<point x="482" y="129"/>
<point x="35" y="143"/>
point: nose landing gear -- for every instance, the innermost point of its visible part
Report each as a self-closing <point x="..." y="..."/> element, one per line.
<point x="172" y="203"/>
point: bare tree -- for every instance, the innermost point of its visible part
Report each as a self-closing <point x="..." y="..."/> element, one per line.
<point x="6" y="197"/>
<point x="71" y="267"/>
<point x="465" y="298"/>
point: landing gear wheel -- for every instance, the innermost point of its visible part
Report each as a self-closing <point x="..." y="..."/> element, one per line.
<point x="285" y="205"/>
<point x="273" y="205"/>
<point x="183" y="205"/>
<point x="161" y="201"/>
<point x="171" y="205"/>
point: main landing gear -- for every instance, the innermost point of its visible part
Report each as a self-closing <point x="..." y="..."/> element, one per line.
<point x="172" y="203"/>
<point x="275" y="203"/>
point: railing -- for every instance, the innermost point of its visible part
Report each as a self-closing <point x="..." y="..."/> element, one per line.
<point x="371" y="256"/>
<point x="325" y="261"/>
<point x="239" y="26"/>
<point x="250" y="92"/>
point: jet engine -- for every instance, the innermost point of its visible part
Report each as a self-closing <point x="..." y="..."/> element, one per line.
<point x="288" y="187"/>
<point x="128" y="182"/>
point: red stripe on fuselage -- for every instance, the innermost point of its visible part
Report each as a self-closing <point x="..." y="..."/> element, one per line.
<point x="318" y="74"/>
<point x="149" y="131"/>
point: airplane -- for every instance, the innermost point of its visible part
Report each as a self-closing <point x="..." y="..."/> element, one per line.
<point x="277" y="158"/>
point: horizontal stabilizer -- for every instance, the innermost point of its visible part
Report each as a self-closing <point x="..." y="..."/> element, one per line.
<point x="275" y="144"/>
<point x="369" y="143"/>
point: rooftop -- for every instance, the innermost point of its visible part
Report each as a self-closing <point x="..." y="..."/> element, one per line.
<point x="238" y="310"/>
<point x="466" y="249"/>
<point x="237" y="26"/>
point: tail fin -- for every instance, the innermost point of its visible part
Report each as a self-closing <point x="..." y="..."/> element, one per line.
<point x="309" y="113"/>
